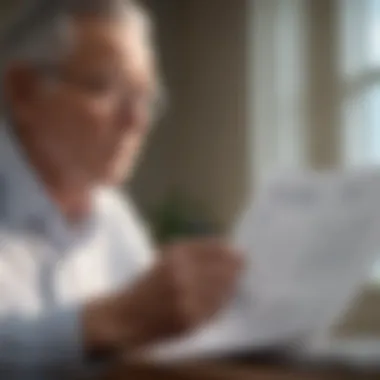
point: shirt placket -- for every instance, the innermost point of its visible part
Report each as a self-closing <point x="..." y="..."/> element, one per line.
<point x="48" y="257"/>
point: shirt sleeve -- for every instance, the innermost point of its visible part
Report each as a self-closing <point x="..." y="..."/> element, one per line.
<point x="36" y="340"/>
<point x="51" y="342"/>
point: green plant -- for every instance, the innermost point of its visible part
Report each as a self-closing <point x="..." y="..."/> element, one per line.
<point x="177" y="217"/>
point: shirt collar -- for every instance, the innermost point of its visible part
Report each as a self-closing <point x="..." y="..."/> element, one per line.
<point x="24" y="202"/>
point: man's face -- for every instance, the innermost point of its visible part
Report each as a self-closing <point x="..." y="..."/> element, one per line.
<point x="93" y="120"/>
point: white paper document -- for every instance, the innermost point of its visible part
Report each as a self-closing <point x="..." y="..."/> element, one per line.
<point x="310" y="240"/>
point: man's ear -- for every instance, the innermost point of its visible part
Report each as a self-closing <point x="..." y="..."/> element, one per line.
<point x="21" y="86"/>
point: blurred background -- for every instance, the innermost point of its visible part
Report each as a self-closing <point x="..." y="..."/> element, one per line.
<point x="257" y="84"/>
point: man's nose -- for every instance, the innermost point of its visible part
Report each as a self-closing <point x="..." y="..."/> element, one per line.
<point x="131" y="116"/>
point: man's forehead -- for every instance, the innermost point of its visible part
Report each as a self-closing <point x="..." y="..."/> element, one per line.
<point x="115" y="42"/>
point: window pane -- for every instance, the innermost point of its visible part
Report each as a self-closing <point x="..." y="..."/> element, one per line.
<point x="362" y="127"/>
<point x="359" y="22"/>
<point x="373" y="45"/>
<point x="360" y="74"/>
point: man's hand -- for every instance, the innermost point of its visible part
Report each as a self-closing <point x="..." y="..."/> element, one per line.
<point x="184" y="289"/>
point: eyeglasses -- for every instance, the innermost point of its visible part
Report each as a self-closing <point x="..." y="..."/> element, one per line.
<point x="110" y="87"/>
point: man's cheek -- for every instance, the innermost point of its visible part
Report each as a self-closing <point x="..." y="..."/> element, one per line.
<point x="96" y="113"/>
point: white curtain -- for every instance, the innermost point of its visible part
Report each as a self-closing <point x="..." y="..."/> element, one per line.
<point x="277" y="91"/>
<point x="360" y="77"/>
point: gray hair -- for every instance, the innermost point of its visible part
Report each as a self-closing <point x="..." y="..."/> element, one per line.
<point x="40" y="30"/>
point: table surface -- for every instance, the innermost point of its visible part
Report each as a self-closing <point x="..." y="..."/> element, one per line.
<point x="223" y="372"/>
<point x="258" y="368"/>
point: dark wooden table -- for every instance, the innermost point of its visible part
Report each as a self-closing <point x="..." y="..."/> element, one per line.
<point x="248" y="368"/>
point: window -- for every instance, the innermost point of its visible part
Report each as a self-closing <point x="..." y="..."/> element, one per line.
<point x="360" y="71"/>
<point x="360" y="78"/>
<point x="278" y="87"/>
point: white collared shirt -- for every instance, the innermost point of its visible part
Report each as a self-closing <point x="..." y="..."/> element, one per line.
<point x="49" y="269"/>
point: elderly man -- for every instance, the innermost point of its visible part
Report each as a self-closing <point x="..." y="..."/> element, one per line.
<point x="79" y="283"/>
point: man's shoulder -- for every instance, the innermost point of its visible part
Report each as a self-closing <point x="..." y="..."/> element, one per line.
<point x="127" y="228"/>
<point x="121" y="208"/>
<point x="118" y="203"/>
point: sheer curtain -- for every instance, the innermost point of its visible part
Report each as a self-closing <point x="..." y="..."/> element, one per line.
<point x="360" y="77"/>
<point x="359" y="29"/>
<point x="278" y="87"/>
